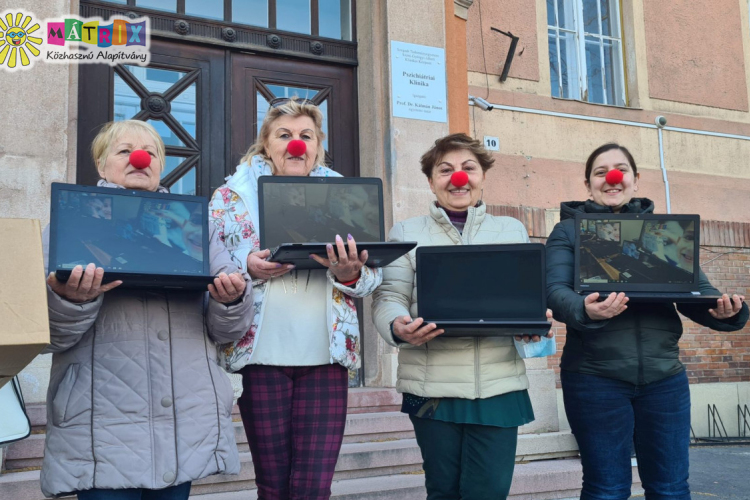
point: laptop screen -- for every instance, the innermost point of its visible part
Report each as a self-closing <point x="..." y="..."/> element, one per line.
<point x="481" y="282"/>
<point x="316" y="209"/>
<point x="641" y="252"/>
<point x="128" y="231"/>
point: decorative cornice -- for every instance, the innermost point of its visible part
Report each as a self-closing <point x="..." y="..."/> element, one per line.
<point x="461" y="8"/>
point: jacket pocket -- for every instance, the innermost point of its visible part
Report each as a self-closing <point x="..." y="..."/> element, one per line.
<point x="64" y="402"/>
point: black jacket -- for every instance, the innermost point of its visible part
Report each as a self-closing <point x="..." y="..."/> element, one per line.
<point x="638" y="346"/>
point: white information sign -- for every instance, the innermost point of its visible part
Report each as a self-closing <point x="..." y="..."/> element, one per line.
<point x="418" y="82"/>
<point x="491" y="143"/>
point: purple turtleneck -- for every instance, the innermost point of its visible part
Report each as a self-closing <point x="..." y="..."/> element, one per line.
<point x="458" y="219"/>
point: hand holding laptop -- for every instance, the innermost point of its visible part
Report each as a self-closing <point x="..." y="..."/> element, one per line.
<point x="82" y="286"/>
<point x="536" y="338"/>
<point x="613" y="305"/>
<point x="260" y="269"/>
<point x="227" y="288"/>
<point x="727" y="307"/>
<point x="346" y="266"/>
<point x="412" y="331"/>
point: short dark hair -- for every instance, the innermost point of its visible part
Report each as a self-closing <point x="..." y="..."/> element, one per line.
<point x="454" y="142"/>
<point x="603" y="149"/>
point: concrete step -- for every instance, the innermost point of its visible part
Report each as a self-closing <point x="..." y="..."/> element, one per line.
<point x="542" y="480"/>
<point x="360" y="400"/>
<point x="360" y="427"/>
<point x="355" y="461"/>
<point x="538" y="480"/>
<point x="393" y="487"/>
<point x="373" y="399"/>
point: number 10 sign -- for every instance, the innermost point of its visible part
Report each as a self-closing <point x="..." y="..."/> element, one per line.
<point x="491" y="143"/>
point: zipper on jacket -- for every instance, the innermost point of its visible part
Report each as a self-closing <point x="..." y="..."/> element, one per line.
<point x="477" y="390"/>
<point x="473" y="212"/>
<point x="639" y="349"/>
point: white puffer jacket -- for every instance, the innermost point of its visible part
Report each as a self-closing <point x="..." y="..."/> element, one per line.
<point x="464" y="367"/>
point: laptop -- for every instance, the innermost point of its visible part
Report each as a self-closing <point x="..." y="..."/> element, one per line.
<point x="147" y="240"/>
<point x="300" y="215"/>
<point x="649" y="257"/>
<point x="483" y="290"/>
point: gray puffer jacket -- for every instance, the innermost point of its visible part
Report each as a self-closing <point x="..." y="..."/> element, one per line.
<point x="136" y="398"/>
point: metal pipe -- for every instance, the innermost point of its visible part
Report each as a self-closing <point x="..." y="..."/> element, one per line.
<point x="628" y="124"/>
<point x="664" y="171"/>
<point x="616" y="122"/>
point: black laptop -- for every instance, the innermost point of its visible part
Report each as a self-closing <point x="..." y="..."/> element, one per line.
<point x="483" y="290"/>
<point x="649" y="257"/>
<point x="145" y="239"/>
<point x="300" y="215"/>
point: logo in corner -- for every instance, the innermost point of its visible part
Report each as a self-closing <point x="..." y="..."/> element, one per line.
<point x="18" y="46"/>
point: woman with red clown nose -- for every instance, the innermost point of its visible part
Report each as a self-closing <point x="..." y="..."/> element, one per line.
<point x="466" y="397"/>
<point x="304" y="336"/>
<point x="621" y="375"/>
<point x="138" y="406"/>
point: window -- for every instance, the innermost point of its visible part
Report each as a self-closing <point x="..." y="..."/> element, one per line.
<point x="585" y="50"/>
<point x="323" y="18"/>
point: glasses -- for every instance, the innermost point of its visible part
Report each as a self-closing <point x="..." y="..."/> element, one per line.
<point x="280" y="101"/>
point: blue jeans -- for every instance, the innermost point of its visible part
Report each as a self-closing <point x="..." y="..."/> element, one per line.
<point x="608" y="416"/>
<point x="179" y="492"/>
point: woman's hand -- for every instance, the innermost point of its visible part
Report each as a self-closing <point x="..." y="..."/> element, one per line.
<point x="413" y="332"/>
<point x="537" y="338"/>
<point x="227" y="288"/>
<point x="615" y="304"/>
<point x="82" y="286"/>
<point x="347" y="266"/>
<point x="260" y="269"/>
<point x="727" y="307"/>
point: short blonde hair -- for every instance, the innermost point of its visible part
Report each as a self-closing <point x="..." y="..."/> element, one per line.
<point x="293" y="108"/>
<point x="111" y="131"/>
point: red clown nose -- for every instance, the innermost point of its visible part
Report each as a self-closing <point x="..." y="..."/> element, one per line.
<point x="459" y="178"/>
<point x="614" y="177"/>
<point x="140" y="159"/>
<point x="296" y="147"/>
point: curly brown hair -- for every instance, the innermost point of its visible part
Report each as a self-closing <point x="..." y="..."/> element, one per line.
<point x="454" y="142"/>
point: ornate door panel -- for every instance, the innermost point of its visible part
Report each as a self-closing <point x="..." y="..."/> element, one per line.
<point x="256" y="80"/>
<point x="181" y="94"/>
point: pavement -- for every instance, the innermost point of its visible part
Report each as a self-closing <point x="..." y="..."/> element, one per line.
<point x="720" y="472"/>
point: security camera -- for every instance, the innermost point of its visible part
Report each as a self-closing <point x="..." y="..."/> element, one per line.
<point x="478" y="101"/>
<point x="660" y="121"/>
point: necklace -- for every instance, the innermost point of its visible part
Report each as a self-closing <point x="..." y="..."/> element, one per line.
<point x="293" y="285"/>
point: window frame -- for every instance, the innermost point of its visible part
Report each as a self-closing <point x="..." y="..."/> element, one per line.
<point x="271" y="21"/>
<point x="580" y="35"/>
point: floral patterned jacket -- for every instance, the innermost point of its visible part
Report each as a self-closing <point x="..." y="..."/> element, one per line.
<point x="234" y="211"/>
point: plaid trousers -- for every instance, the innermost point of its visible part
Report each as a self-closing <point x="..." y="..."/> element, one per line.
<point x="294" y="418"/>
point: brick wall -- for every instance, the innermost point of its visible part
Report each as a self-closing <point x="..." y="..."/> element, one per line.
<point x="709" y="356"/>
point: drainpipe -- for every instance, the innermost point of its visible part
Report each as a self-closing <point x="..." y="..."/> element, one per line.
<point x="661" y="122"/>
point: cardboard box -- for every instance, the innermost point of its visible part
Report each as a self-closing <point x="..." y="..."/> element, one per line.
<point x="24" y="323"/>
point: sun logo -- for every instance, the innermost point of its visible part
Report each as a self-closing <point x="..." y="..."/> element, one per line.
<point x="16" y="39"/>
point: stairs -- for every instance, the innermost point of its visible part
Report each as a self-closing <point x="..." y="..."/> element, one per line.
<point x="379" y="459"/>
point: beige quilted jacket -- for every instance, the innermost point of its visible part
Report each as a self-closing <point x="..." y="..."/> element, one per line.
<point x="467" y="367"/>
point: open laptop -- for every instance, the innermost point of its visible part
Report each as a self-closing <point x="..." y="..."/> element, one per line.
<point x="649" y="257"/>
<point x="300" y="215"/>
<point x="483" y="290"/>
<point x="145" y="239"/>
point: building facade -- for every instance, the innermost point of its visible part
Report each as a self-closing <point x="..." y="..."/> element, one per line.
<point x="581" y="73"/>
